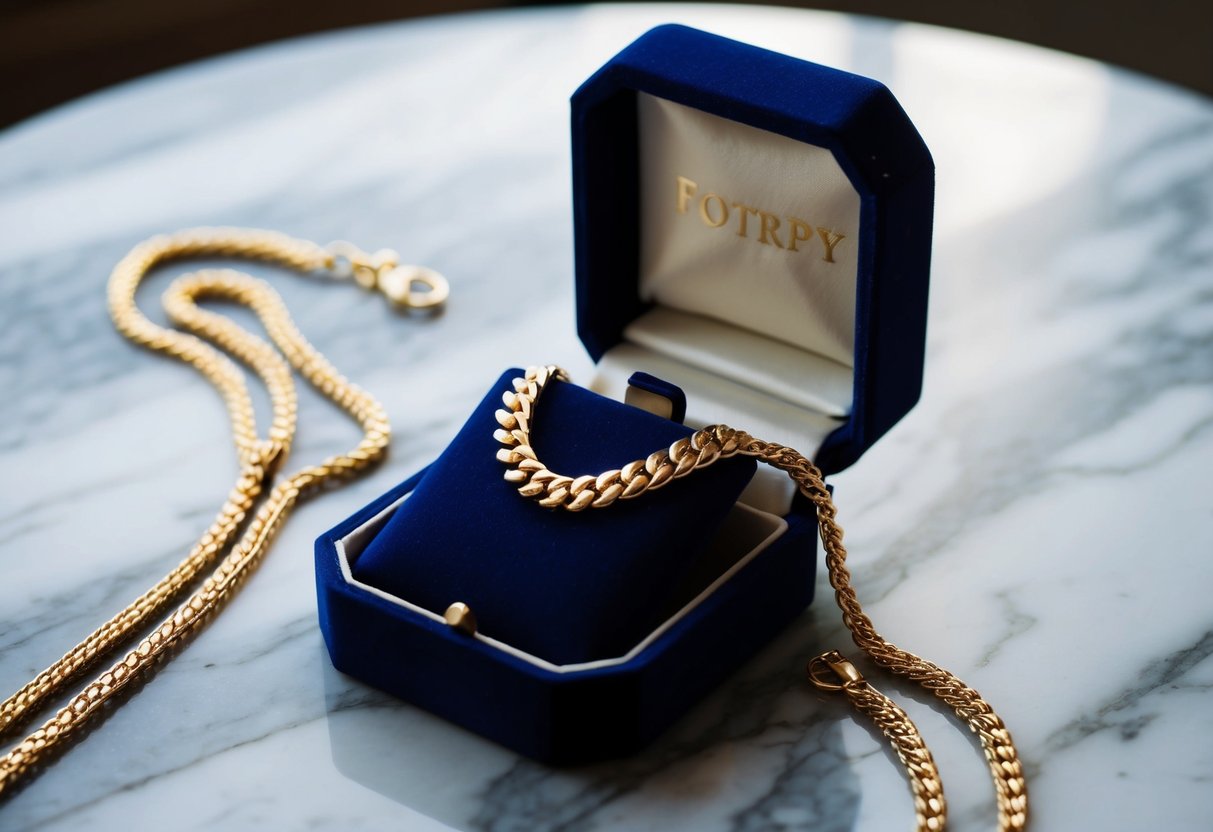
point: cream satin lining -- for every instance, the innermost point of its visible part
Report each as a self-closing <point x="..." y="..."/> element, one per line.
<point x="686" y="264"/>
<point x="781" y="371"/>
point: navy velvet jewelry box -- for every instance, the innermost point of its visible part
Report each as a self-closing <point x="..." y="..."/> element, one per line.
<point x="752" y="228"/>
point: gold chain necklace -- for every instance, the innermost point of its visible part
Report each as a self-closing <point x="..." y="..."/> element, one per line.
<point x="260" y="458"/>
<point x="536" y="481"/>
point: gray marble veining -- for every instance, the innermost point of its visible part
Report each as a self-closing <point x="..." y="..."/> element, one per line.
<point x="1040" y="523"/>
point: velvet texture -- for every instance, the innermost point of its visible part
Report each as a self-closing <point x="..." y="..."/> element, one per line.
<point x="560" y="718"/>
<point x="566" y="587"/>
<point x="660" y="387"/>
<point x="856" y="118"/>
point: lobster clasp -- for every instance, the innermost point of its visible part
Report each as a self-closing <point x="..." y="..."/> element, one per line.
<point x="407" y="287"/>
<point x="832" y="671"/>
<point x="413" y="287"/>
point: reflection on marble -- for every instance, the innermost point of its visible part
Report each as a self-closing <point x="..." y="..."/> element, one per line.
<point x="1040" y="523"/>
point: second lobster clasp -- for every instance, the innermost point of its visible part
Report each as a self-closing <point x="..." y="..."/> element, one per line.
<point x="405" y="286"/>
<point x="832" y="671"/>
<point x="414" y="287"/>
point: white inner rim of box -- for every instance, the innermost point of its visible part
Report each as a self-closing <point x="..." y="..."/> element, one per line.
<point x="744" y="522"/>
<point x="749" y="253"/>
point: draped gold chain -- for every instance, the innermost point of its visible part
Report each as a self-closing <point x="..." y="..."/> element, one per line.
<point x="259" y="458"/>
<point x="705" y="447"/>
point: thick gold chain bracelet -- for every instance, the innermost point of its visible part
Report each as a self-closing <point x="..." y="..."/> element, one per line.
<point x="536" y="481"/>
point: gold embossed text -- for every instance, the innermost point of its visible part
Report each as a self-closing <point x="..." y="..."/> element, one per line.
<point x="752" y="223"/>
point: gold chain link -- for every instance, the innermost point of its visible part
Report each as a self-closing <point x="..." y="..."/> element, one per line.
<point x="536" y="481"/>
<point x="259" y="458"/>
<point x="832" y="672"/>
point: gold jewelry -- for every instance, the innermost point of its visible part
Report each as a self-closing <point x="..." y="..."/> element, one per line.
<point x="259" y="457"/>
<point x="930" y="808"/>
<point x="704" y="447"/>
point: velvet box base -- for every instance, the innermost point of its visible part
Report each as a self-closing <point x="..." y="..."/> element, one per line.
<point x="573" y="713"/>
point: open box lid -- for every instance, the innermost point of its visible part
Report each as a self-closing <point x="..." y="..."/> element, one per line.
<point x="756" y="228"/>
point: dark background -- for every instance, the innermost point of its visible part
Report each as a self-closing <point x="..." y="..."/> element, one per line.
<point x="55" y="50"/>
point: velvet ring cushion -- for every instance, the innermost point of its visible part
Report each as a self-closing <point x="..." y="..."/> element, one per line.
<point x="564" y="587"/>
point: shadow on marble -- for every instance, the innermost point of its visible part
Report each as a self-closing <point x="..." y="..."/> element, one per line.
<point x="764" y="747"/>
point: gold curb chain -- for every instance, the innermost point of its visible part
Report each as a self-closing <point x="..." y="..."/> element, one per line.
<point x="259" y="457"/>
<point x="552" y="490"/>
<point x="832" y="672"/>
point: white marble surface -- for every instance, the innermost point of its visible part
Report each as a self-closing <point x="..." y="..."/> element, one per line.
<point x="1041" y="523"/>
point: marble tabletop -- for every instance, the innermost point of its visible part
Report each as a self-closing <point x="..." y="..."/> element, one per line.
<point x="1041" y="523"/>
